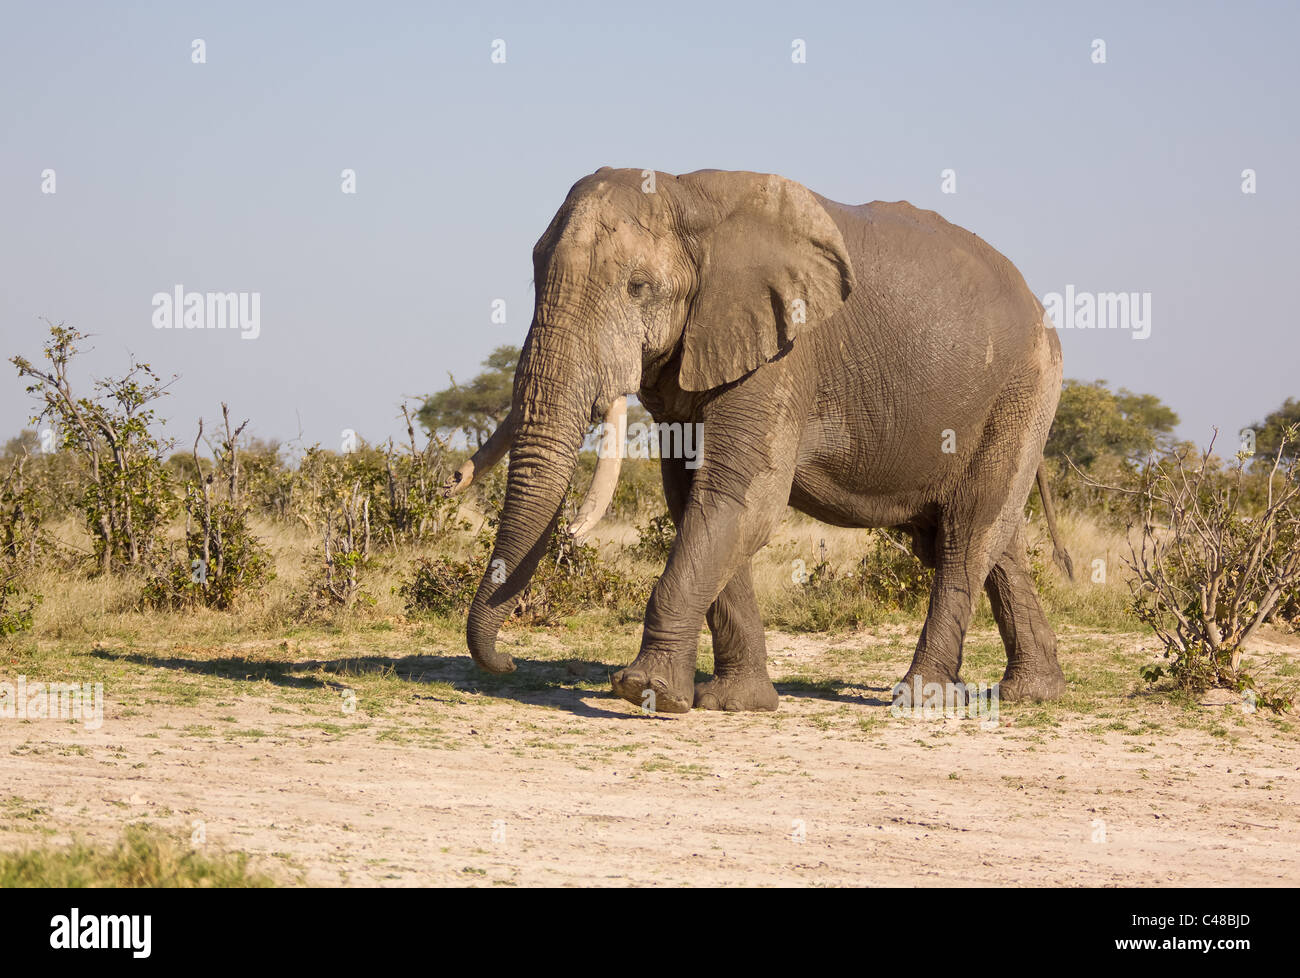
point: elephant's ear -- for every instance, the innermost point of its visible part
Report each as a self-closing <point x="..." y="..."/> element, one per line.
<point x="773" y="266"/>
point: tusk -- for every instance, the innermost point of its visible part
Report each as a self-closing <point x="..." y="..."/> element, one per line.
<point x="605" y="478"/>
<point x="489" y="454"/>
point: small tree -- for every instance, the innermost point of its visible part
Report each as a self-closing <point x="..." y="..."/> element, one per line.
<point x="1207" y="572"/>
<point x="1273" y="428"/>
<point x="1094" y="423"/>
<point x="125" y="497"/>
<point x="476" y="408"/>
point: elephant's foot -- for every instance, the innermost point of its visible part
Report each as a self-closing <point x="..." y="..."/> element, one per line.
<point x="736" y="693"/>
<point x="930" y="683"/>
<point x="1043" y="684"/>
<point x="655" y="685"/>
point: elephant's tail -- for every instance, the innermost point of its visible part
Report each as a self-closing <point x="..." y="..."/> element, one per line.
<point x="1060" y="555"/>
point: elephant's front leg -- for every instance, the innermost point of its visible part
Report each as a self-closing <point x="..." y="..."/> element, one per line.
<point x="662" y="677"/>
<point x="718" y="535"/>
<point x="740" y="680"/>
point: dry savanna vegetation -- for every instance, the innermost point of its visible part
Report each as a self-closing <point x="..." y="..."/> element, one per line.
<point x="278" y="631"/>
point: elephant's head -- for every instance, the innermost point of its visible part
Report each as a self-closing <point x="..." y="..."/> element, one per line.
<point x="710" y="275"/>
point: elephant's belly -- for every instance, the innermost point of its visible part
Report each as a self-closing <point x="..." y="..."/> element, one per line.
<point x="827" y="497"/>
<point x="863" y="474"/>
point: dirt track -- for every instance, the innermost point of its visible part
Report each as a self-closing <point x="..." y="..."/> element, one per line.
<point x="570" y="786"/>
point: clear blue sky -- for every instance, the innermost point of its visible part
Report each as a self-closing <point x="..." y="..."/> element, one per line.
<point x="225" y="176"/>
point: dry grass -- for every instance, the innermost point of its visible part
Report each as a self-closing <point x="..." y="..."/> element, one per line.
<point x="77" y="607"/>
<point x="80" y="612"/>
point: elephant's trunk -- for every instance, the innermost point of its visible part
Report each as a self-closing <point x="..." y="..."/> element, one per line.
<point x="555" y="395"/>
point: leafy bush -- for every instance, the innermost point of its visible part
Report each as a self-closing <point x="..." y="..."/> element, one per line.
<point x="369" y="498"/>
<point x="891" y="575"/>
<point x="1209" y="570"/>
<point x="441" y="585"/>
<point x="655" y="539"/>
<point x="640" y="493"/>
<point x="402" y="488"/>
<point x="886" y="578"/>
<point x="16" y="615"/>
<point x="22" y="510"/>
<point x="223" y="562"/>
<point x="1041" y="572"/>
<point x="345" y="549"/>
<point x="570" y="578"/>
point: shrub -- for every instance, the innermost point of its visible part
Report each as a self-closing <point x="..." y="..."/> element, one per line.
<point x="655" y="539"/>
<point x="570" y="578"/>
<point x="16" y="615"/>
<point x="402" y="489"/>
<point x="441" y="585"/>
<point x="344" y="549"/>
<point x="891" y="575"/>
<point x="886" y="578"/>
<point x="1208" y="570"/>
<point x="223" y="561"/>
<point x="22" y="510"/>
<point x="639" y="493"/>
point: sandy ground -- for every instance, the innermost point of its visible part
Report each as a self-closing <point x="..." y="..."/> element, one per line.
<point x="571" y="786"/>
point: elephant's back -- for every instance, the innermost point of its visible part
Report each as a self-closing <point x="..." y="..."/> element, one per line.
<point x="938" y="326"/>
<point x="905" y="255"/>
<point x="933" y="297"/>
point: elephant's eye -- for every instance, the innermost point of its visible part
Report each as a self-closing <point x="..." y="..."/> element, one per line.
<point x="638" y="288"/>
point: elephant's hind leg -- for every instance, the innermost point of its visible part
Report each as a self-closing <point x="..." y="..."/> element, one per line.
<point x="740" y="680"/>
<point x="959" y="568"/>
<point x="973" y="531"/>
<point x="1032" y="670"/>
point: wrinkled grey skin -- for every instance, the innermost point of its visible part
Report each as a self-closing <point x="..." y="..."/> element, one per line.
<point x="830" y="352"/>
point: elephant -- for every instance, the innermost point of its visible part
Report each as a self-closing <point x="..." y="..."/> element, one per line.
<point x="868" y="365"/>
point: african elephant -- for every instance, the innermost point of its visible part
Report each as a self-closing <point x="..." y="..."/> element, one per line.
<point x="871" y="365"/>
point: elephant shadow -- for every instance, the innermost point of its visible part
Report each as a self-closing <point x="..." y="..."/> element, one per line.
<point x="564" y="684"/>
<point x="860" y="694"/>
